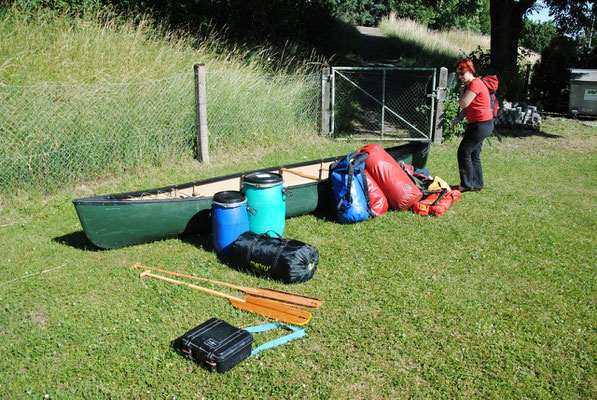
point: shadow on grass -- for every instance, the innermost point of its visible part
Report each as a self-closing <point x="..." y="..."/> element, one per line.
<point x="325" y="214"/>
<point x="523" y="133"/>
<point x="77" y="240"/>
<point x="414" y="55"/>
<point x="201" y="241"/>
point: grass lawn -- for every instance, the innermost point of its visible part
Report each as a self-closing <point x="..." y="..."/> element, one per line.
<point x="494" y="299"/>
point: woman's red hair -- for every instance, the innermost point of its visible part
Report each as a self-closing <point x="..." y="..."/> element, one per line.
<point x="465" y="65"/>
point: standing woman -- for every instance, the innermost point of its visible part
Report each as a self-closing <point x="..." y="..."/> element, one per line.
<point x="476" y="106"/>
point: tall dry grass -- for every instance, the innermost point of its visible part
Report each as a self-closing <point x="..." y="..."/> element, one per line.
<point x="123" y="90"/>
<point x="428" y="47"/>
<point x="49" y="46"/>
<point x="452" y="43"/>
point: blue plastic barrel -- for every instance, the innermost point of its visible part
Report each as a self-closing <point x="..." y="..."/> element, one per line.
<point x="229" y="219"/>
<point x="266" y="201"/>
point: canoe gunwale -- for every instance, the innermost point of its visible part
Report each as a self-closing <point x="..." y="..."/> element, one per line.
<point x="107" y="200"/>
<point x="125" y="198"/>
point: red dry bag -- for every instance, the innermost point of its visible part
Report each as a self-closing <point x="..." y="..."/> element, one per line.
<point x="395" y="183"/>
<point x="379" y="202"/>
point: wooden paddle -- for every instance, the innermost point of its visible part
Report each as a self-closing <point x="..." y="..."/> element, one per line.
<point x="298" y="173"/>
<point x="265" y="307"/>
<point x="291" y="299"/>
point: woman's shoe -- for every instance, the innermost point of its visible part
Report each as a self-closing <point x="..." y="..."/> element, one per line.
<point x="461" y="188"/>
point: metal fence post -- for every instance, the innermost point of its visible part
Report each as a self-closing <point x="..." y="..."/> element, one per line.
<point x="441" y="99"/>
<point x="383" y="101"/>
<point x="201" y="114"/>
<point x="325" y="99"/>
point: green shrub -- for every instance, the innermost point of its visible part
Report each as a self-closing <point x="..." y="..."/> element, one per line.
<point x="451" y="110"/>
<point x="536" y="36"/>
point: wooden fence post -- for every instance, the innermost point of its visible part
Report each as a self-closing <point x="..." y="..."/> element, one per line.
<point x="439" y="110"/>
<point x="325" y="99"/>
<point x="201" y="114"/>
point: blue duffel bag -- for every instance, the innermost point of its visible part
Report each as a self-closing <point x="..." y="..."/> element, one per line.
<point x="349" y="187"/>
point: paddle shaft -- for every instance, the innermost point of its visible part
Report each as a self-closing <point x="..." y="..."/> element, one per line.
<point x="199" y="288"/>
<point x="197" y="278"/>
<point x="265" y="307"/>
<point x="272" y="294"/>
<point x="299" y="174"/>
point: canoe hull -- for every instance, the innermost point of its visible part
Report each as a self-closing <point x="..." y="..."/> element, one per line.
<point x="112" y="224"/>
<point x="113" y="221"/>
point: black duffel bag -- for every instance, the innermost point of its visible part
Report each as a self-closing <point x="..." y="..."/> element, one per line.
<point x="286" y="260"/>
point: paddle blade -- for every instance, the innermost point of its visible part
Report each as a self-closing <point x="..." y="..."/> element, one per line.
<point x="271" y="309"/>
<point x="291" y="299"/>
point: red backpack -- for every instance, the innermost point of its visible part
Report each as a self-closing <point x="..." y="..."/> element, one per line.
<point x="492" y="82"/>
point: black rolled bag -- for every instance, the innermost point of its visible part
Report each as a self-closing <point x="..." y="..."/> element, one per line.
<point x="286" y="260"/>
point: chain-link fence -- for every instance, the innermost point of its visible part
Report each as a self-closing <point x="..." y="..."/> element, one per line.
<point x="387" y="103"/>
<point x="256" y="108"/>
<point x="53" y="134"/>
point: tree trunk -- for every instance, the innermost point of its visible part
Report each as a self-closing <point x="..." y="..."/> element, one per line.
<point x="506" y="25"/>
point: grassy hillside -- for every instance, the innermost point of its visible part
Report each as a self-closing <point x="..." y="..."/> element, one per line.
<point x="95" y="95"/>
<point x="51" y="47"/>
<point x="421" y="46"/>
<point x="409" y="34"/>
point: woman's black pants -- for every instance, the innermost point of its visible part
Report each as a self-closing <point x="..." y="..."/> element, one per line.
<point x="469" y="154"/>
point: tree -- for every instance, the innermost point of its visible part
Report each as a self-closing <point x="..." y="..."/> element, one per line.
<point x="506" y="26"/>
<point x="469" y="15"/>
<point x="550" y="78"/>
<point x="536" y="36"/>
<point x="575" y="18"/>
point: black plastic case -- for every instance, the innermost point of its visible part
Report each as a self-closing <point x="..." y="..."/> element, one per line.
<point x="216" y="345"/>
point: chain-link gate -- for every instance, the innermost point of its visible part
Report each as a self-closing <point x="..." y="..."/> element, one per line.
<point x="382" y="103"/>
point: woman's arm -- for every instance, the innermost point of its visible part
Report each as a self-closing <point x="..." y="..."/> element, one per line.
<point x="466" y="98"/>
<point x="459" y="117"/>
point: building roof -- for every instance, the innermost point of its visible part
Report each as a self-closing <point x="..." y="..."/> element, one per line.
<point x="583" y="75"/>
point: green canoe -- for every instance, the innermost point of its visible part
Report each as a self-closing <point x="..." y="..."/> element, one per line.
<point x="124" y="219"/>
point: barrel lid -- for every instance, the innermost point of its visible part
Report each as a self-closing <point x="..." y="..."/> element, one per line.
<point x="229" y="198"/>
<point x="263" y="179"/>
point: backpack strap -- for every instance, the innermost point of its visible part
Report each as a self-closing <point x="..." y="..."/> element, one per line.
<point x="366" y="190"/>
<point x="354" y="159"/>
<point x="296" y="333"/>
<point x="441" y="196"/>
<point x="347" y="196"/>
<point x="251" y="247"/>
<point x="282" y="242"/>
<point x="496" y="133"/>
<point x="360" y="158"/>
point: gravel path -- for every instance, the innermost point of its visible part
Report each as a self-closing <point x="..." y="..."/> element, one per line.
<point x="376" y="49"/>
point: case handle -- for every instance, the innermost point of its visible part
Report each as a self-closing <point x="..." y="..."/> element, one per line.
<point x="296" y="333"/>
